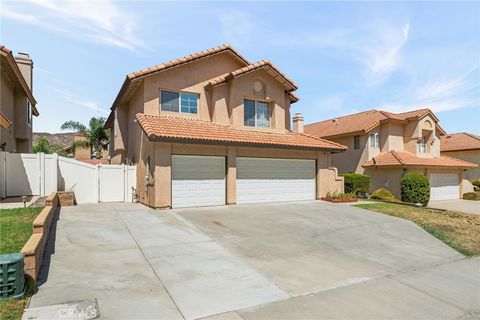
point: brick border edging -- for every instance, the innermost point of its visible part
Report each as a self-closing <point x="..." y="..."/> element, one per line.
<point x="34" y="249"/>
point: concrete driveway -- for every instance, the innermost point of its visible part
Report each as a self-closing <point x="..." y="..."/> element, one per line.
<point x="460" y="205"/>
<point x="282" y="261"/>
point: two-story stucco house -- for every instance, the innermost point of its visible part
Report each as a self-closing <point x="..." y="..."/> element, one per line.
<point x="17" y="104"/>
<point x="386" y="145"/>
<point x="465" y="146"/>
<point x="213" y="129"/>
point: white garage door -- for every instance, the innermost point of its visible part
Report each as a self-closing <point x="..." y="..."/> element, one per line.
<point x="444" y="187"/>
<point x="198" y="181"/>
<point x="274" y="180"/>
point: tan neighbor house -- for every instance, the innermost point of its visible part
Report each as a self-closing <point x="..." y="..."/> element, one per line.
<point x="386" y="145"/>
<point x="17" y="104"/>
<point x="213" y="129"/>
<point x="465" y="146"/>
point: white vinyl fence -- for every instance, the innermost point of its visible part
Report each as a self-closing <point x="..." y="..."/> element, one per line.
<point x="40" y="174"/>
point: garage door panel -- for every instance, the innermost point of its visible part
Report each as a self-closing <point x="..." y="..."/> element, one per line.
<point x="198" y="181"/>
<point x="274" y="180"/>
<point x="444" y="186"/>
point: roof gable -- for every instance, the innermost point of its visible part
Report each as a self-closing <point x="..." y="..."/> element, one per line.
<point x="132" y="82"/>
<point x="364" y="122"/>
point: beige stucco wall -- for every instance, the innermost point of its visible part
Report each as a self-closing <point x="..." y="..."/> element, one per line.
<point x="191" y="77"/>
<point x="352" y="159"/>
<point x="472" y="156"/>
<point x="18" y="136"/>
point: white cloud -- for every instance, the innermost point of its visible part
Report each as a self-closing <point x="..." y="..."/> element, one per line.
<point x="97" y="21"/>
<point x="385" y="57"/>
<point x="91" y="105"/>
<point x="440" y="94"/>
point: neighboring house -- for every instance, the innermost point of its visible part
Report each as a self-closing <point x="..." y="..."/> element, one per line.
<point x="17" y="104"/>
<point x="65" y="141"/>
<point x="386" y="145"/>
<point x="213" y="129"/>
<point x="465" y="146"/>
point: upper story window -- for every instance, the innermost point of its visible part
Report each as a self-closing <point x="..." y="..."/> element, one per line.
<point x="178" y="102"/>
<point x="375" y="140"/>
<point x="422" y="146"/>
<point x="256" y="113"/>
<point x="29" y="113"/>
<point x="356" y="142"/>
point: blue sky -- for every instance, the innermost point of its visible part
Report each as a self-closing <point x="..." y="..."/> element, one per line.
<point x="345" y="56"/>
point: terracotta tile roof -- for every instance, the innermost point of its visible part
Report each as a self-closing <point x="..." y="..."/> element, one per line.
<point x="362" y="122"/>
<point x="397" y="158"/>
<point x="12" y="65"/>
<point x="459" y="141"/>
<point x="170" y="128"/>
<point x="265" y="65"/>
<point x="189" y="58"/>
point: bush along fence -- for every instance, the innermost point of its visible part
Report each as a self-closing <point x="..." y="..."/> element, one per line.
<point x="34" y="249"/>
<point x="355" y="182"/>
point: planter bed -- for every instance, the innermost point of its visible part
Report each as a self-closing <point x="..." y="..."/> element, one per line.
<point x="339" y="200"/>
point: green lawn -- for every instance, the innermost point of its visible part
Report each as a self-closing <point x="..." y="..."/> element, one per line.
<point x="458" y="230"/>
<point x="15" y="229"/>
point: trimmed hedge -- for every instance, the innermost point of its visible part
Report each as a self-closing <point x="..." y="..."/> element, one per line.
<point x="382" y="194"/>
<point x="355" y="182"/>
<point x="471" y="196"/>
<point x="415" y="188"/>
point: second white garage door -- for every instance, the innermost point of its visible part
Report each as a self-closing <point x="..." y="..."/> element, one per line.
<point x="198" y="181"/>
<point x="444" y="187"/>
<point x="274" y="180"/>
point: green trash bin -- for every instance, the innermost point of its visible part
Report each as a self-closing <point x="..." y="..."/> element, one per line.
<point x="12" y="279"/>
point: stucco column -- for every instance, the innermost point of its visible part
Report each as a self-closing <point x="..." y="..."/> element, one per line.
<point x="231" y="175"/>
<point x="163" y="175"/>
<point x="322" y="163"/>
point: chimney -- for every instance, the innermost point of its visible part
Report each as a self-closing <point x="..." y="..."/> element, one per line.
<point x="25" y="64"/>
<point x="298" y="123"/>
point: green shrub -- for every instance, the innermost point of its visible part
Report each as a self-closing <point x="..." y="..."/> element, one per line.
<point x="415" y="188"/>
<point x="471" y="196"/>
<point x="382" y="194"/>
<point x="476" y="185"/>
<point x="355" y="182"/>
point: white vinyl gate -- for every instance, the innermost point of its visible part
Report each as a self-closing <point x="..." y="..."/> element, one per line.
<point x="275" y="180"/>
<point x="40" y="174"/>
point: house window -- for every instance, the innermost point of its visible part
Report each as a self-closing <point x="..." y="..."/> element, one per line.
<point x="29" y="113"/>
<point x="356" y="142"/>
<point x="422" y="147"/>
<point x="375" y="140"/>
<point x="256" y="113"/>
<point x="178" y="102"/>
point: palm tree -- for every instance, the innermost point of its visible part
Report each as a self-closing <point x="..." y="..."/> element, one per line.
<point x="96" y="136"/>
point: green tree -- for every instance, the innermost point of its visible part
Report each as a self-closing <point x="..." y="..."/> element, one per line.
<point x="42" y="145"/>
<point x="96" y="136"/>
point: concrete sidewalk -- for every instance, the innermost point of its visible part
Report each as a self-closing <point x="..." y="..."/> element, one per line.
<point x="459" y="205"/>
<point x="274" y="261"/>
